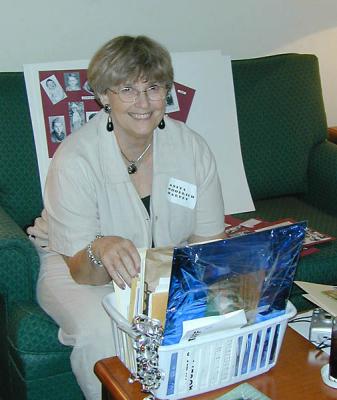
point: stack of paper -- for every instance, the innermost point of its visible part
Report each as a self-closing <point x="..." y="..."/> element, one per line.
<point x="149" y="291"/>
<point x="325" y="296"/>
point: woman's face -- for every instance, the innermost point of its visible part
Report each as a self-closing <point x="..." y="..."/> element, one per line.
<point x="136" y="119"/>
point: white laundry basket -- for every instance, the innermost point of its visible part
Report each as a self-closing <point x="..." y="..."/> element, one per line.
<point x="210" y="362"/>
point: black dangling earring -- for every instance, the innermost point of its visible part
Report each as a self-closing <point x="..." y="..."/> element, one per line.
<point x="161" y="124"/>
<point x="109" y="124"/>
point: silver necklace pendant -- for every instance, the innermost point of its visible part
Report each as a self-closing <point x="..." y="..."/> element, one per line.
<point x="132" y="168"/>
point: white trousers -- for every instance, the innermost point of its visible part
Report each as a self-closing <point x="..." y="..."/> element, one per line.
<point x="83" y="322"/>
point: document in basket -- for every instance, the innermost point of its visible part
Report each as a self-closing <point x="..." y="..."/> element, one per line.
<point x="149" y="291"/>
<point x="157" y="276"/>
<point x="125" y="299"/>
<point x="195" y="328"/>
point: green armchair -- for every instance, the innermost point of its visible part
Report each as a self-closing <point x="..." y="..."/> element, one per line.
<point x="33" y="364"/>
<point x="290" y="166"/>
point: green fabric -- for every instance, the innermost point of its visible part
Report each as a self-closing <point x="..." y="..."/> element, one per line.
<point x="4" y="374"/>
<point x="322" y="180"/>
<point x="319" y="267"/>
<point x="19" y="265"/>
<point x="57" y="387"/>
<point x="20" y="193"/>
<point x="19" y="262"/>
<point x="41" y="369"/>
<point x="34" y="343"/>
<point x="281" y="115"/>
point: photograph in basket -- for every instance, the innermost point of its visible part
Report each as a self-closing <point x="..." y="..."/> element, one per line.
<point x="253" y="273"/>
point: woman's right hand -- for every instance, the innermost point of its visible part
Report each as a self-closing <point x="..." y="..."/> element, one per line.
<point x="120" y="258"/>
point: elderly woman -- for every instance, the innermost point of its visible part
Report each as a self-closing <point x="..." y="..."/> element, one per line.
<point x="130" y="178"/>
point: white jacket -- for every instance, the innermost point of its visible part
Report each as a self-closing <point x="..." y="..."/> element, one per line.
<point x="88" y="190"/>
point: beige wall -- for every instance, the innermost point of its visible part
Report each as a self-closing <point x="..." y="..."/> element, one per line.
<point x="41" y="31"/>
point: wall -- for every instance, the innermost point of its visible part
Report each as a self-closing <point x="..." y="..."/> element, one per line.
<point x="40" y="31"/>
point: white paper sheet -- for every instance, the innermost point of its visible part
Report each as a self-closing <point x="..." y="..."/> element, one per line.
<point x="192" y="329"/>
<point x="315" y="293"/>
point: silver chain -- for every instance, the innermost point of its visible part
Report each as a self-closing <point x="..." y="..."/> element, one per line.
<point x="133" y="164"/>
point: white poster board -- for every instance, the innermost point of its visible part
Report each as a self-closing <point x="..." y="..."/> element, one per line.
<point x="204" y="85"/>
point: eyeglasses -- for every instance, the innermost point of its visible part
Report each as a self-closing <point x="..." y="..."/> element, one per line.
<point x="130" y="94"/>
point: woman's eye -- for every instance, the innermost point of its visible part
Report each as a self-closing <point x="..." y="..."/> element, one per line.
<point x="154" y="88"/>
<point x="127" y="90"/>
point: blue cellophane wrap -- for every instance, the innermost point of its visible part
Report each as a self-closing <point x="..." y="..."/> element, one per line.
<point x="253" y="272"/>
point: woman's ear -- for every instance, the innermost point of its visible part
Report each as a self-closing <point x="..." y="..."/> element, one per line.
<point x="104" y="99"/>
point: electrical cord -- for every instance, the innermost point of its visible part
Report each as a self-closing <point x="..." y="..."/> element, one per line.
<point x="299" y="319"/>
<point x="324" y="344"/>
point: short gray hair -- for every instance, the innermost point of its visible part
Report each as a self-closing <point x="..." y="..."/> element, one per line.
<point x="128" y="59"/>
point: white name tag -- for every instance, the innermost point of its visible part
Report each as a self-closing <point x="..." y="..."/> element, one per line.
<point x="182" y="193"/>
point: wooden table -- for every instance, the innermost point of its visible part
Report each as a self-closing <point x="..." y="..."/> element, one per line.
<point x="297" y="375"/>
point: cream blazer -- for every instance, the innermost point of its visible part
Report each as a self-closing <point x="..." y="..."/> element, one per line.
<point x="88" y="190"/>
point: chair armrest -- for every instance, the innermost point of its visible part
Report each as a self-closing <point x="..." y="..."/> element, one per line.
<point x="19" y="262"/>
<point x="322" y="182"/>
<point x="332" y="134"/>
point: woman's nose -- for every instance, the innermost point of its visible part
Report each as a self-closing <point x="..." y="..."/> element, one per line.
<point x="142" y="99"/>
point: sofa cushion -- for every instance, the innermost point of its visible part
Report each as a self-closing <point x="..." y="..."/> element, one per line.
<point x="281" y="117"/>
<point x="57" y="387"/>
<point x="33" y="343"/>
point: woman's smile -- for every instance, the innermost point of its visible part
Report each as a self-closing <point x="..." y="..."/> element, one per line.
<point x="140" y="115"/>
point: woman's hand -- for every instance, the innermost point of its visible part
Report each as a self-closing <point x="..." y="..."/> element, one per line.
<point x="119" y="257"/>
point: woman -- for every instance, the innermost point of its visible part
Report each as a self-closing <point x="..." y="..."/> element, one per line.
<point x="131" y="177"/>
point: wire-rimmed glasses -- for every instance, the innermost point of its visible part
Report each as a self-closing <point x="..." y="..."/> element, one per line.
<point x="129" y="94"/>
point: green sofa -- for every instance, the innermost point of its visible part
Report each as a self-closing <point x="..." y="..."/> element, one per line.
<point x="290" y="166"/>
